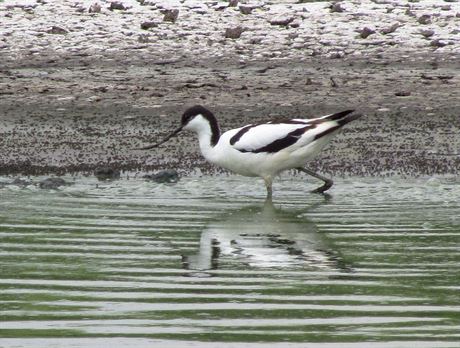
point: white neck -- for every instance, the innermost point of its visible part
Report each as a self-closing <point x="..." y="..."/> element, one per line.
<point x="205" y="132"/>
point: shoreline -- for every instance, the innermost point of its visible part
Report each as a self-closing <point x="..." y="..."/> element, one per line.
<point x="72" y="107"/>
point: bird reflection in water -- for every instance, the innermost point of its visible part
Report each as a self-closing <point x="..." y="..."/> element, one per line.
<point x="264" y="237"/>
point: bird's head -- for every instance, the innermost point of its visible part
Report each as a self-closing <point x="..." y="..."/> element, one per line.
<point x="192" y="119"/>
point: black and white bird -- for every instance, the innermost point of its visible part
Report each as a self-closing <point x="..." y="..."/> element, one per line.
<point x="263" y="149"/>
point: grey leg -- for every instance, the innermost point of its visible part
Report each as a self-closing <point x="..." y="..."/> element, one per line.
<point x="268" y="185"/>
<point x="327" y="182"/>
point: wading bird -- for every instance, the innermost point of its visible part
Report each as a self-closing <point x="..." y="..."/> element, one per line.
<point x="263" y="149"/>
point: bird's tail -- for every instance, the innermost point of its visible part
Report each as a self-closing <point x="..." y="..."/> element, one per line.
<point x="343" y="117"/>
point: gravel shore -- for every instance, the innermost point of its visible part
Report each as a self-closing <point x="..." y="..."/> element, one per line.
<point x="80" y="89"/>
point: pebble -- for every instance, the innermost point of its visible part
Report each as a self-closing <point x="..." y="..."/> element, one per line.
<point x="94" y="98"/>
<point x="337" y="7"/>
<point x="171" y="15"/>
<point x="234" y="32"/>
<point x="282" y="20"/>
<point x="148" y="24"/>
<point x="438" y="43"/>
<point x="366" y="32"/>
<point x="403" y="93"/>
<point x="390" y="29"/>
<point x="56" y="30"/>
<point x="427" y="32"/>
<point x="248" y="8"/>
<point x="424" y="19"/>
<point x="245" y="9"/>
<point x="95" y="8"/>
<point x="115" y="5"/>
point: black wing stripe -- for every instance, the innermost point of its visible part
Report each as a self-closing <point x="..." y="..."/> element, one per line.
<point x="326" y="132"/>
<point x="280" y="144"/>
<point x="339" y="115"/>
<point x="289" y="122"/>
<point x="240" y="133"/>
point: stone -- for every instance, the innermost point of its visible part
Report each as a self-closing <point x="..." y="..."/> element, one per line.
<point x="410" y="13"/>
<point x="366" y="32"/>
<point x="106" y="173"/>
<point x="148" y="24"/>
<point x="52" y="183"/>
<point x="232" y="3"/>
<point x="403" y="93"/>
<point x="424" y="19"/>
<point x="248" y="8"/>
<point x="56" y="30"/>
<point x="115" y="5"/>
<point x="167" y="176"/>
<point x="245" y="9"/>
<point x="94" y="98"/>
<point x="337" y="7"/>
<point x="336" y="55"/>
<point x="95" y="8"/>
<point x="171" y="15"/>
<point x="427" y="33"/>
<point x="438" y="43"/>
<point x="282" y="20"/>
<point x="234" y="32"/>
<point x="390" y="29"/>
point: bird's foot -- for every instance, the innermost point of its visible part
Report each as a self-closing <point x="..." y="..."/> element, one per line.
<point x="327" y="185"/>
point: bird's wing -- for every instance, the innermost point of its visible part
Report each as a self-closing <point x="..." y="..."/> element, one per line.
<point x="278" y="135"/>
<point x="268" y="137"/>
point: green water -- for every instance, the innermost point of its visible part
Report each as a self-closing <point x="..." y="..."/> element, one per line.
<point x="131" y="264"/>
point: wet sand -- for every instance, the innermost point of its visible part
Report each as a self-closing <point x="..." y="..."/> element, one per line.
<point x="73" y="115"/>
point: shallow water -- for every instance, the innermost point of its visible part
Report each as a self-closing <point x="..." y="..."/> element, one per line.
<point x="131" y="263"/>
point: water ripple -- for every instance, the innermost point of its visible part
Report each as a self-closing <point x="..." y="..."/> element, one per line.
<point x="203" y="260"/>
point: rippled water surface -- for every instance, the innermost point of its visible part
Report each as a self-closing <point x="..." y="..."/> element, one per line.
<point x="132" y="264"/>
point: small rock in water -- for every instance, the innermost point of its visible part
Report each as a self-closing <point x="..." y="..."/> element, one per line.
<point x="234" y="33"/>
<point x="233" y="3"/>
<point x="106" y="173"/>
<point x="52" y="183"/>
<point x="164" y="176"/>
<point x="21" y="182"/>
<point x="171" y="15"/>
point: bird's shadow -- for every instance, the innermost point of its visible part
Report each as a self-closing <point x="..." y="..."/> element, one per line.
<point x="265" y="237"/>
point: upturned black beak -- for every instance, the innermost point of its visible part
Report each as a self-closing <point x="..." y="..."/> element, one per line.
<point x="148" y="147"/>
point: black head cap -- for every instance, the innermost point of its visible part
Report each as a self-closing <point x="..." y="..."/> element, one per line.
<point x="193" y="111"/>
<point x="196" y="110"/>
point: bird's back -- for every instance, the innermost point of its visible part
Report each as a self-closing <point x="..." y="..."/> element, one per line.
<point x="264" y="148"/>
